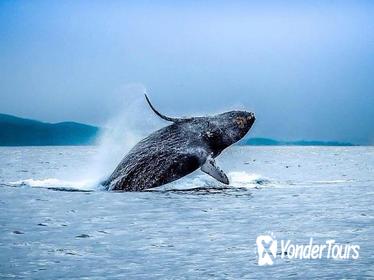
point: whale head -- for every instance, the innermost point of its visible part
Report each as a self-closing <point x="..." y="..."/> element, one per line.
<point x="227" y="128"/>
<point x="235" y="124"/>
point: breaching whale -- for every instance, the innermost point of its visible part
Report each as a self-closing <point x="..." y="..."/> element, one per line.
<point x="176" y="150"/>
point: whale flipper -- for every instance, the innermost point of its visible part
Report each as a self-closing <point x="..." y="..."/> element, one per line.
<point x="210" y="168"/>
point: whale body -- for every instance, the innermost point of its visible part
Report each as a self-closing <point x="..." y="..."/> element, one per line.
<point x="177" y="150"/>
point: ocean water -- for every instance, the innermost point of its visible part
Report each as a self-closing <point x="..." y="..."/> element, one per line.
<point x="55" y="222"/>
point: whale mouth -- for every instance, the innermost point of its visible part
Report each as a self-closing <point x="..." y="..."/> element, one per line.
<point x="251" y="118"/>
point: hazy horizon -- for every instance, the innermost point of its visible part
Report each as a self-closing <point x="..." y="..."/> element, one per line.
<point x="305" y="69"/>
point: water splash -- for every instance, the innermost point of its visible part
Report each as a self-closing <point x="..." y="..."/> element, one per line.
<point x="243" y="179"/>
<point x="130" y="121"/>
<point x="238" y="180"/>
<point x="54" y="183"/>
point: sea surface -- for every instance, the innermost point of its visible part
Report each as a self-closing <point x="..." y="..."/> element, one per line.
<point x="56" y="223"/>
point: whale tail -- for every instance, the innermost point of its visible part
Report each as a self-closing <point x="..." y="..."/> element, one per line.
<point x="159" y="114"/>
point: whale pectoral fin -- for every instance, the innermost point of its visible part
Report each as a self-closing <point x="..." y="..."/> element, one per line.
<point x="210" y="168"/>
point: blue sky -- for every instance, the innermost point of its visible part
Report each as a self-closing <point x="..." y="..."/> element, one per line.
<point x="304" y="67"/>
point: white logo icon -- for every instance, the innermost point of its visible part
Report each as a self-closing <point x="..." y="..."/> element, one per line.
<point x="267" y="249"/>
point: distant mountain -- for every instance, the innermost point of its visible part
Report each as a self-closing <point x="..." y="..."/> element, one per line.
<point x="272" y="142"/>
<point x="16" y="131"/>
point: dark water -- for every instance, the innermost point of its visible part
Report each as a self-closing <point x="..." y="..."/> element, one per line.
<point x="178" y="233"/>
